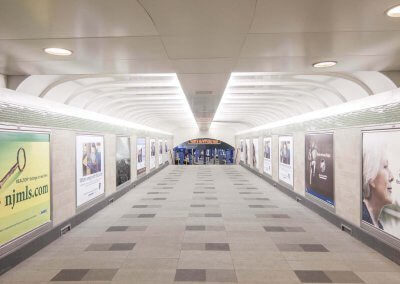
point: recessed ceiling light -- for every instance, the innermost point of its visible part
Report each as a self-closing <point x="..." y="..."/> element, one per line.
<point x="324" y="64"/>
<point x="394" y="12"/>
<point x="58" y="51"/>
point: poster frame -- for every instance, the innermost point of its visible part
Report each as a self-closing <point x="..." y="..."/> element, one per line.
<point x="143" y="173"/>
<point x="310" y="196"/>
<point x="93" y="201"/>
<point x="122" y="185"/>
<point x="21" y="240"/>
<point x="155" y="154"/>
<point x="374" y="231"/>
<point x="288" y="185"/>
<point x="263" y="172"/>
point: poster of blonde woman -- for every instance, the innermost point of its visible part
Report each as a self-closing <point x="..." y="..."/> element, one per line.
<point x="255" y="153"/>
<point x="286" y="159"/>
<point x="267" y="155"/>
<point x="381" y="181"/>
<point x="89" y="168"/>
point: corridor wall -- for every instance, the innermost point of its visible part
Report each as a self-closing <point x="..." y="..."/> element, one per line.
<point x="347" y="129"/>
<point x="64" y="130"/>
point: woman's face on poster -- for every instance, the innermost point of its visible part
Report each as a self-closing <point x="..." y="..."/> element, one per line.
<point x="382" y="183"/>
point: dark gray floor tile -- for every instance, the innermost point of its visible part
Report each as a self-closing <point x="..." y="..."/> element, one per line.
<point x="195" y="228"/>
<point x="190" y="275"/>
<point x="217" y="246"/>
<point x="140" y="206"/>
<point x="213" y="215"/>
<point x="198" y="205"/>
<point x="117" y="229"/>
<point x="70" y="275"/>
<point x="122" y="246"/>
<point x="343" y="277"/>
<point x="146" y="215"/>
<point x="160" y="198"/>
<point x="313" y="248"/>
<point x="220" y="275"/>
<point x="274" y="229"/>
<point x="211" y="198"/>
<point x="98" y="247"/>
<point x="100" y="275"/>
<point x="312" y="276"/>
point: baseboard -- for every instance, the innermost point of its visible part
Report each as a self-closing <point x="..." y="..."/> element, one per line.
<point x="28" y="249"/>
<point x="358" y="233"/>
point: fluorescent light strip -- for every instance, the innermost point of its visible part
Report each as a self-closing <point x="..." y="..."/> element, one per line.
<point x="352" y="106"/>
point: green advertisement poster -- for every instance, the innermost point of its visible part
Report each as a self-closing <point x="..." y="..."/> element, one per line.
<point x="24" y="183"/>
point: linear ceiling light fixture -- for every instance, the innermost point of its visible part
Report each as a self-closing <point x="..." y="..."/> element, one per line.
<point x="324" y="64"/>
<point x="394" y="12"/>
<point x="58" y="51"/>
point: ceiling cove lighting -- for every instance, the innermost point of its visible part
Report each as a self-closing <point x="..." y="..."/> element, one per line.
<point x="324" y="64"/>
<point x="58" y="51"/>
<point x="394" y="12"/>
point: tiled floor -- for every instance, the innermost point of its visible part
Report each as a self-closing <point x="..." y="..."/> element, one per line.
<point x="214" y="224"/>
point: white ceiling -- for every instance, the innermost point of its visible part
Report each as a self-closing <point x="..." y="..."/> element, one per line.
<point x="202" y="41"/>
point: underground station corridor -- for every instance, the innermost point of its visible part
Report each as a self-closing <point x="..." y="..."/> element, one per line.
<point x="199" y="141"/>
<point x="205" y="224"/>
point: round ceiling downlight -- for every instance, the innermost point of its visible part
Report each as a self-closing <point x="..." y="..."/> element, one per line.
<point x="394" y="12"/>
<point x="324" y="64"/>
<point x="58" y="51"/>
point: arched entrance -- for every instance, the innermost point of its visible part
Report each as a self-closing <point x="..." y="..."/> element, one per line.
<point x="204" y="151"/>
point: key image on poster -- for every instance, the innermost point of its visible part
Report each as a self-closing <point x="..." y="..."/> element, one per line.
<point x="267" y="155"/>
<point x="247" y="151"/>
<point x="24" y="183"/>
<point x="166" y="151"/>
<point x="286" y="159"/>
<point x="123" y="160"/>
<point x="381" y="181"/>
<point x="152" y="153"/>
<point x="141" y="155"/>
<point x="242" y="151"/>
<point x="319" y="166"/>
<point x="89" y="168"/>
<point x="255" y="153"/>
<point x="160" y="152"/>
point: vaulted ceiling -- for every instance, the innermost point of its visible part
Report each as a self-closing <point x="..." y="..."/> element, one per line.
<point x="202" y="42"/>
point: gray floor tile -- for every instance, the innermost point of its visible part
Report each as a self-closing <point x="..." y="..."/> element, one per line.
<point x="312" y="276"/>
<point x="70" y="275"/>
<point x="220" y="275"/>
<point x="122" y="246"/>
<point x="195" y="228"/>
<point x="343" y="277"/>
<point x="217" y="246"/>
<point x="117" y="228"/>
<point x="313" y="248"/>
<point x="100" y="275"/>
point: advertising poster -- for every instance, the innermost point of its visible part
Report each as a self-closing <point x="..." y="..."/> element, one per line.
<point x="166" y="151"/>
<point x="267" y="155"/>
<point x="381" y="181"/>
<point x="24" y="183"/>
<point x="286" y="159"/>
<point x="319" y="166"/>
<point x="141" y="155"/>
<point x="89" y="168"/>
<point x="152" y="153"/>
<point x="255" y="153"/>
<point x="247" y="151"/>
<point x="242" y="151"/>
<point x="123" y="160"/>
<point x="160" y="152"/>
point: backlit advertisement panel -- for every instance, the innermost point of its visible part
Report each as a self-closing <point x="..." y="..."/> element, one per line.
<point x="286" y="159"/>
<point x="267" y="155"/>
<point x="255" y="153"/>
<point x="24" y="183"/>
<point x="123" y="173"/>
<point x="141" y="155"/>
<point x="152" y="153"/>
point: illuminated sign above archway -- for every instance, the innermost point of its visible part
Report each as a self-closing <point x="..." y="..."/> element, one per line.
<point x="204" y="141"/>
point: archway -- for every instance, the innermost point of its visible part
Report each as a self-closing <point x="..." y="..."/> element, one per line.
<point x="204" y="151"/>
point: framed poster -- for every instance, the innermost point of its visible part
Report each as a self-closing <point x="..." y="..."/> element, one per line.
<point x="380" y="200"/>
<point x="166" y="151"/>
<point x="89" y="168"/>
<point x="255" y="153"/>
<point x="247" y="151"/>
<point x="123" y="171"/>
<point x="267" y="155"/>
<point x="286" y="159"/>
<point x="141" y="155"/>
<point x="152" y="153"/>
<point x="242" y="151"/>
<point x="319" y="163"/>
<point x="160" y="152"/>
<point x="24" y="183"/>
